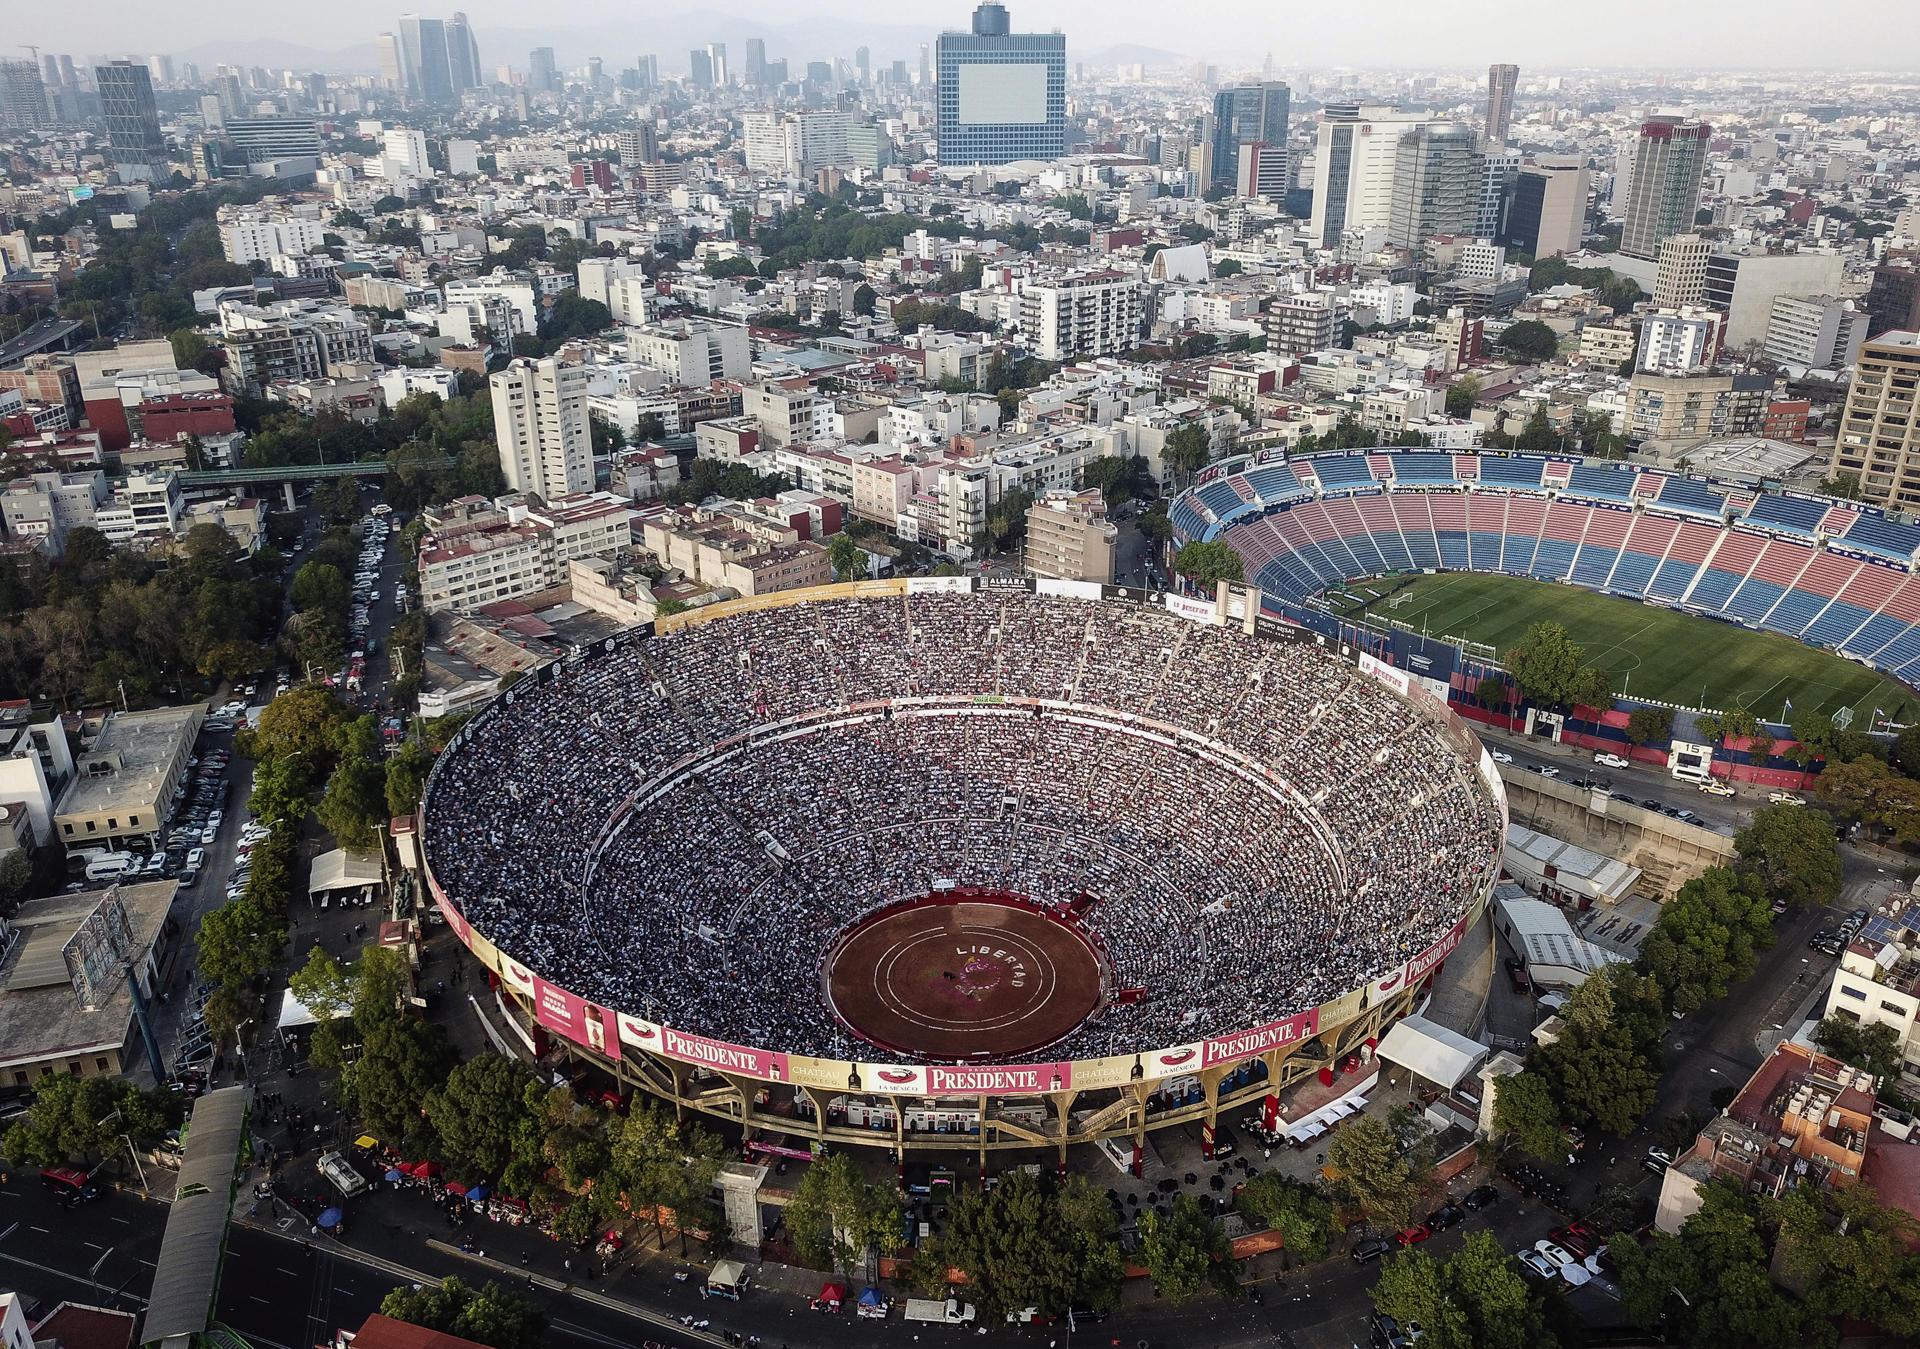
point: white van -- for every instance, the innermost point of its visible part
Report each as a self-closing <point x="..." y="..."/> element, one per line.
<point x="111" y="867"/>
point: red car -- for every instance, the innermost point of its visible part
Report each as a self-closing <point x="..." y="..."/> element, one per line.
<point x="1576" y="1237"/>
<point x="1414" y="1235"/>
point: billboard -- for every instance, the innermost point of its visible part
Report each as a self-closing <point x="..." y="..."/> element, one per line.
<point x="1248" y="1043"/>
<point x="997" y="1079"/>
<point x="1425" y="657"/>
<point x="723" y="1057"/>
<point x="1003" y="93"/>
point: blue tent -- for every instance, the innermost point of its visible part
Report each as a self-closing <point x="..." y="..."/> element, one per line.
<point x="330" y="1218"/>
<point x="872" y="1297"/>
<point x="478" y="1192"/>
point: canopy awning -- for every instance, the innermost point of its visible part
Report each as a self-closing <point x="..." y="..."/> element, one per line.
<point x="1431" y="1051"/>
<point x="344" y="869"/>
<point x="294" y="1013"/>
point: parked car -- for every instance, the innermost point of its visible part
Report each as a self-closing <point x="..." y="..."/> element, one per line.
<point x="1558" y="1254"/>
<point x="1369" y="1249"/>
<point x="1715" y="787"/>
<point x="1413" y="1236"/>
<point x="1535" y="1264"/>
<point x="1786" y="799"/>
<point x="1501" y="756"/>
<point x="1485" y="1196"/>
<point x="1611" y="760"/>
<point x="1517" y="975"/>
<point x="1447" y="1215"/>
<point x="1657" y="1160"/>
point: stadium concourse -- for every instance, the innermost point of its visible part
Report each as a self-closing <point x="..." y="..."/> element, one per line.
<point x="661" y="847"/>
<point x="1833" y="574"/>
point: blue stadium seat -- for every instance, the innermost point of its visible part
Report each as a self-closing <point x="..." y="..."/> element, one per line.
<point x="1796" y="609"/>
<point x="1796" y="515"/>
<point x="1692" y="498"/>
<point x="1343" y="470"/>
<point x="1423" y="468"/>
<point x="1504" y="472"/>
<point x="1879" y="630"/>
<point x="1593" y="564"/>
<point x="1752" y="600"/>
<point x="1883" y="536"/>
<point x="1713" y="590"/>
<point x="1422" y="547"/>
<point x="1633" y="573"/>
<point x="1602" y="480"/>
<point x="1453" y="549"/>
<point x="1836" y="624"/>
<point x="1483" y="549"/>
<point x="1220" y="498"/>
<point x="1670" y="582"/>
<point x="1518" y="554"/>
<point x="1371" y="563"/>
<point x="1393" y="550"/>
<point x="1554" y="560"/>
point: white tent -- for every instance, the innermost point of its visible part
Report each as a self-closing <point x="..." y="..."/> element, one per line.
<point x="294" y="1013"/>
<point x="1431" y="1051"/>
<point x="344" y="869"/>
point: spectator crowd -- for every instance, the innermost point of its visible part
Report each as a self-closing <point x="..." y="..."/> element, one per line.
<point x="680" y="828"/>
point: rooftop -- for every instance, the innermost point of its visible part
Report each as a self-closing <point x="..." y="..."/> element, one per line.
<point x="40" y="1014"/>
<point x="141" y="746"/>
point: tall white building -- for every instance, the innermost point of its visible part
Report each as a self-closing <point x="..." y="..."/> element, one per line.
<point x="1353" y="169"/>
<point x="618" y="283"/>
<point x="1817" y="331"/>
<point x="793" y="144"/>
<point x="405" y="148"/>
<point x="1088" y="314"/>
<point x="693" y="353"/>
<point x="1674" y="342"/>
<point x="262" y="238"/>
<point x="540" y="427"/>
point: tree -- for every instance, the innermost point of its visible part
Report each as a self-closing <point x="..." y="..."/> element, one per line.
<point x="1188" y="449"/>
<point x="844" y="556"/>
<point x="1846" y="486"/>
<point x="16" y="876"/>
<point x="835" y="1218"/>
<point x="1650" y="725"/>
<point x="487" y="1315"/>
<point x="1227" y="267"/>
<point x="1604" y="1067"/>
<point x="1529" y="341"/>
<point x="488" y="1118"/>
<point x="1793" y="851"/>
<point x="282" y="788"/>
<point x="355" y="804"/>
<point x="1707" y="937"/>
<point x="1301" y="1213"/>
<point x="1207" y="563"/>
<point x="665" y="1168"/>
<point x="73" y="1119"/>
<point x="1373" y="1171"/>
<point x="239" y="942"/>
<point x="1460" y="396"/>
<point x="1184" y="1251"/>
<point x="401" y="1061"/>
<point x="1477" y="1300"/>
<point x="1848" y="1256"/>
<point x="1875" y="1048"/>
<point x="863" y="300"/>
<point x="1026" y="1243"/>
<point x="1527" y="1117"/>
<point x="1866" y="789"/>
<point x="303" y="720"/>
<point x="407" y="769"/>
<point x="1547" y="665"/>
<point x="319" y="585"/>
<point x="322" y="986"/>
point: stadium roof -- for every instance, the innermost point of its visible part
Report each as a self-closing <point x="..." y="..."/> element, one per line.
<point x="188" y="1273"/>
<point x="1429" y="1050"/>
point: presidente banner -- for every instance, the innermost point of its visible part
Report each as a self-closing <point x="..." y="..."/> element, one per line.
<point x="1248" y="1043"/>
<point x="574" y="1017"/>
<point x="723" y="1057"/>
<point x="994" y="1079"/>
<point x="1423" y="964"/>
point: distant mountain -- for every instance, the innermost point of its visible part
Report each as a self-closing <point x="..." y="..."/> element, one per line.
<point x="360" y="58"/>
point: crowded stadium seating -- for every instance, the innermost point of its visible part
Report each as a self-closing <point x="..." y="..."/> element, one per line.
<point x="679" y="827"/>
<point x="1832" y="574"/>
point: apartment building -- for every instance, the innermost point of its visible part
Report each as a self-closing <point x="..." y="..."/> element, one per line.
<point x="693" y="353"/>
<point x="42" y="507"/>
<point x="540" y="427"/>
<point x="1820" y="332"/>
<point x="477" y="552"/>
<point x="1069" y="537"/>
<point x="1879" y="441"/>
<point x="1297" y="324"/>
<point x="264" y="237"/>
<point x="1096" y="313"/>
<point x="1673" y="342"/>
<point x="291" y="340"/>
<point x="621" y="285"/>
<point x="788" y="413"/>
<point x="721" y="547"/>
<point x="1682" y="409"/>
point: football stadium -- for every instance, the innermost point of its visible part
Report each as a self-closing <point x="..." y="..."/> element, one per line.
<point x="1038" y="863"/>
<point x="1702" y="593"/>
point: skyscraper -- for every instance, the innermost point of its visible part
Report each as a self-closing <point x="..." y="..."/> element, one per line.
<point x="756" y="71"/>
<point x="1501" y="81"/>
<point x="423" y="51"/>
<point x="541" y="78"/>
<point x="699" y="69"/>
<point x="136" y="148"/>
<point x="1354" y="168"/>
<point x="1243" y="115"/>
<point x="863" y="63"/>
<point x="1436" y="183"/>
<point x="1547" y="208"/>
<point x="1002" y="95"/>
<point x="717" y="59"/>
<point x="1669" y="160"/>
<point x="393" y="69"/>
<point x="463" y="55"/>
<point x="540" y="427"/>
<point x="23" y="98"/>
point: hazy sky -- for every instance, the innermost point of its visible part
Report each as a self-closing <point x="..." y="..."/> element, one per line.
<point x="1841" y="34"/>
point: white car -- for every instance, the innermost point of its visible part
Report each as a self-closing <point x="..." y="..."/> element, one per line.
<point x="209" y="834"/>
<point x="1536" y="1264"/>
<point x="1500" y="756"/>
<point x="1715" y="787"/>
<point x="1547" y="771"/>
<point x="1610" y="760"/>
<point x="1786" y="799"/>
<point x="196" y="858"/>
<point x="1558" y="1255"/>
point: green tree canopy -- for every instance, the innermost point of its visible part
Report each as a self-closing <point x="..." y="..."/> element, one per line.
<point x="1185" y="1251"/>
<point x="1876" y="1048"/>
<point x="488" y="1117"/>
<point x="1526" y="1116"/>
<point x="1793" y="851"/>
<point x="1302" y="1213"/>
<point x="1476" y="1300"/>
<point x="1708" y="937"/>
<point x="835" y="1217"/>
<point x="1375" y="1172"/>
<point x="1188" y="449"/>
<point x="1650" y="725"/>
<point x="1548" y="665"/>
<point x="1529" y="341"/>
<point x="1207" y="563"/>
<point x="487" y="1315"/>
<point x="81" y="1119"/>
<point x="1027" y="1243"/>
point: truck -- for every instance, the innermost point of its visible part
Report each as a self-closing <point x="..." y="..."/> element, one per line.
<point x="952" y="1312"/>
<point x="342" y="1174"/>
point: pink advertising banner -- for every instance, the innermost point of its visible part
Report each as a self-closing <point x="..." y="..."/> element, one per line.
<point x="1275" y="1035"/>
<point x="723" y="1057"/>
<point x="997" y="1079"/>
<point x="1422" y="965"/>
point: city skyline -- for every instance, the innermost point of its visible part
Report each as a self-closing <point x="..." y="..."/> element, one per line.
<point x="1762" y="34"/>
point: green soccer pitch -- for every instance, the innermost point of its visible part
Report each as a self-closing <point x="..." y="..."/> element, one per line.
<point x="1653" y="653"/>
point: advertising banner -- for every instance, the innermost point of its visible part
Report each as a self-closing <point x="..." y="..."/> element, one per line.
<point x="1072" y="590"/>
<point x="1250" y="1043"/>
<point x="1422" y="965"/>
<point x="1394" y="679"/>
<point x="822" y="1074"/>
<point x="896" y="1079"/>
<point x="1199" y="611"/>
<point x="938" y="585"/>
<point x="642" y="1035"/>
<point x="992" y="1079"/>
<point x="723" y="1057"/>
<point x="1425" y="657"/>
